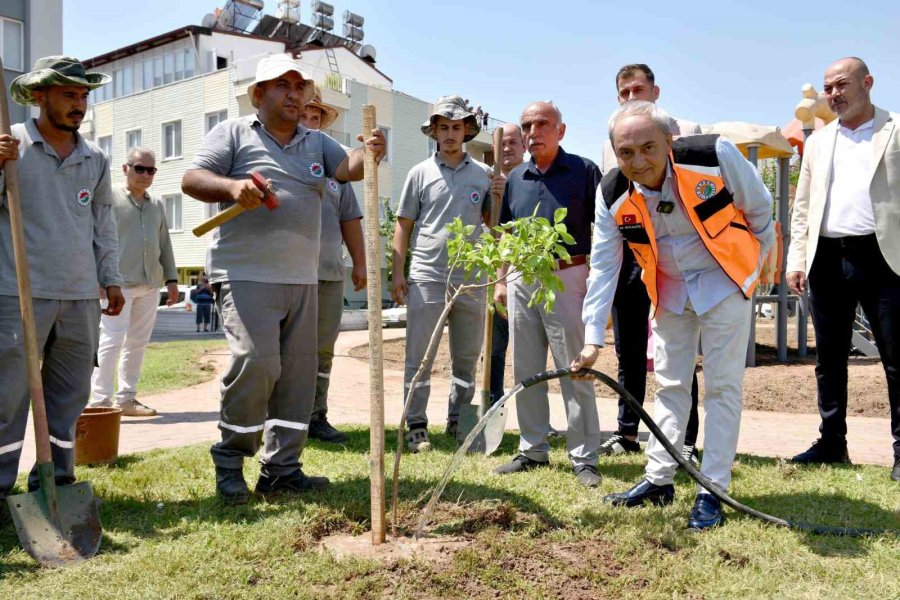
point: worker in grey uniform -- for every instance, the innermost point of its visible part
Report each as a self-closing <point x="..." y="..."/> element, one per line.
<point x="70" y="235"/>
<point x="265" y="266"/>
<point x="341" y="218"/>
<point x="446" y="185"/>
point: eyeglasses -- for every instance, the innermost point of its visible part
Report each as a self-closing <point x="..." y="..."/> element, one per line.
<point x="141" y="169"/>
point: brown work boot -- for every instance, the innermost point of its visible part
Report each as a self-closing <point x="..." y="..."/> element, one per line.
<point x="133" y="408"/>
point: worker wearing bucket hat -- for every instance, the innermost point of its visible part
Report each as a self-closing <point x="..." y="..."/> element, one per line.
<point x="446" y="185"/>
<point x="64" y="184"/>
<point x="341" y="218"/>
<point x="264" y="266"/>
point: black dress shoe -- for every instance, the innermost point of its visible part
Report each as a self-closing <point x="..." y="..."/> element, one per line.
<point x="895" y="472"/>
<point x="707" y="512"/>
<point x="644" y="491"/>
<point x="823" y="452"/>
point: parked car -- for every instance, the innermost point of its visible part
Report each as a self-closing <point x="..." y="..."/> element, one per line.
<point x="184" y="301"/>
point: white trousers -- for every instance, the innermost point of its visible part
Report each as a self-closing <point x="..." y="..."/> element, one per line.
<point x="725" y="330"/>
<point x="128" y="334"/>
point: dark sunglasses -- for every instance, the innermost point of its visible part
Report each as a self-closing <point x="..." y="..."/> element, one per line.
<point x="141" y="169"/>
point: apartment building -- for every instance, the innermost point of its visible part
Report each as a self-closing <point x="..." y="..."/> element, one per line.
<point x="29" y="29"/>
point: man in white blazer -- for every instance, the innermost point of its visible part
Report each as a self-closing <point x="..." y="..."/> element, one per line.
<point x="845" y="247"/>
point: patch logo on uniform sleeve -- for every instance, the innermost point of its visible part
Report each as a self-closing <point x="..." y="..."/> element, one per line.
<point x="317" y="170"/>
<point x="629" y="219"/>
<point x="84" y="196"/>
<point x="475" y="197"/>
<point x="706" y="189"/>
<point x="333" y="185"/>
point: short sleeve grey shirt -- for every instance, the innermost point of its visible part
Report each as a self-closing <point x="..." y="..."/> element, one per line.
<point x="433" y="195"/>
<point x="281" y="245"/>
<point x="70" y="229"/>
<point x="340" y="205"/>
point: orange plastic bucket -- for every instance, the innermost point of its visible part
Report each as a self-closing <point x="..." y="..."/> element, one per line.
<point x="97" y="436"/>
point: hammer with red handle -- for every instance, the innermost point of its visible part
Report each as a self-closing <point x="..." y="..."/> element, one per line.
<point x="269" y="199"/>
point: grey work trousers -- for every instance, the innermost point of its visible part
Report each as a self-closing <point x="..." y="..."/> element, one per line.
<point x="425" y="302"/>
<point x="331" y="307"/>
<point x="532" y="331"/>
<point x="67" y="332"/>
<point x="269" y="387"/>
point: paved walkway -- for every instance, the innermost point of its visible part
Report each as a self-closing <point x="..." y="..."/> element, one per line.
<point x="190" y="415"/>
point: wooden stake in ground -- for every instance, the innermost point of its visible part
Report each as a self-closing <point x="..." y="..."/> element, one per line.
<point x="376" y="356"/>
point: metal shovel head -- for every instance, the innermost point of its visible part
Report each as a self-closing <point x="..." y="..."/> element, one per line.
<point x="490" y="437"/>
<point x="66" y="534"/>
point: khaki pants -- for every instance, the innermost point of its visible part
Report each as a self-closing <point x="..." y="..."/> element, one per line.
<point x="532" y="332"/>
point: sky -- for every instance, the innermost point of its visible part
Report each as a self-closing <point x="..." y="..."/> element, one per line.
<point x="723" y="60"/>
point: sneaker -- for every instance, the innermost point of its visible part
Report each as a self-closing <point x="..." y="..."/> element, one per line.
<point x="823" y="452"/>
<point x="417" y="440"/>
<point x="107" y="403"/>
<point x="619" y="444"/>
<point x="133" y="408"/>
<point x="587" y="475"/>
<point x="296" y="482"/>
<point x="231" y="487"/>
<point x="895" y="472"/>
<point x="519" y="464"/>
<point x="689" y="454"/>
<point x="321" y="429"/>
<point x="554" y="433"/>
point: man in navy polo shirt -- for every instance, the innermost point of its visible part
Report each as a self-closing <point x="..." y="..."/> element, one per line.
<point x="552" y="179"/>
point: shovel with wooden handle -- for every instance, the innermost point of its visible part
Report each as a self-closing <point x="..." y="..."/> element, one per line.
<point x="57" y="526"/>
<point x="469" y="414"/>
<point x="269" y="199"/>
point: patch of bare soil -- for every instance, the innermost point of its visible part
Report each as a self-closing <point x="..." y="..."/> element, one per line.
<point x="487" y="555"/>
<point x="769" y="386"/>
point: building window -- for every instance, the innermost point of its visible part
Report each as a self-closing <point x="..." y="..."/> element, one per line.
<point x="105" y="144"/>
<point x="168" y="68"/>
<point x="432" y="146"/>
<point x="157" y="71"/>
<point x="148" y="73"/>
<point x="171" y="140"/>
<point x="138" y="76"/>
<point x="117" y="83"/>
<point x="127" y="80"/>
<point x="132" y="139"/>
<point x="190" y="60"/>
<point x="214" y="118"/>
<point x="173" y="211"/>
<point x="12" y="43"/>
<point x="210" y="209"/>
<point x="387" y="143"/>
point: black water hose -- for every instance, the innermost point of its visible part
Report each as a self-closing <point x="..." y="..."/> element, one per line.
<point x="688" y="467"/>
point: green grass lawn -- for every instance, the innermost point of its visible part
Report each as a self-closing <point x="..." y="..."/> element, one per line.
<point x="174" y="365"/>
<point x="531" y="535"/>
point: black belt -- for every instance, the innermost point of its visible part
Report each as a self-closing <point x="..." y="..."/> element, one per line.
<point x="849" y="241"/>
